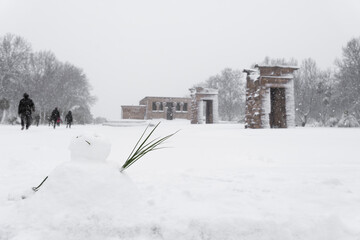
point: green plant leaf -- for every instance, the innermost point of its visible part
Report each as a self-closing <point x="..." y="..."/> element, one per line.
<point x="143" y="147"/>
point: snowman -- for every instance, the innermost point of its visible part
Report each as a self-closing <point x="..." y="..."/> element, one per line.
<point x="85" y="189"/>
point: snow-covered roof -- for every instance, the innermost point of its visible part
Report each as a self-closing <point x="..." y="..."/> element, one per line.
<point x="288" y="76"/>
<point x="253" y="74"/>
<point x="276" y="66"/>
<point x="152" y="97"/>
<point x="133" y="106"/>
<point x="249" y="70"/>
<point x="204" y="90"/>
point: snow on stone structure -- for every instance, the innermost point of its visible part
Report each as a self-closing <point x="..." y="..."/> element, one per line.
<point x="204" y="105"/>
<point x="270" y="97"/>
<point x="158" y="107"/>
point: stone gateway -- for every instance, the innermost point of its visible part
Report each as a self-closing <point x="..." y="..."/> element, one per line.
<point x="270" y="97"/>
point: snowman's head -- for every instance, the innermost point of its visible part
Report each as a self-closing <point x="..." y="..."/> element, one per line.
<point x="89" y="147"/>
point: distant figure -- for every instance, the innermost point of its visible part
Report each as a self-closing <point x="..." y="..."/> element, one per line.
<point x="48" y="118"/>
<point x="55" y="117"/>
<point x="58" y="121"/>
<point x="26" y="107"/>
<point x="37" y="119"/>
<point x="68" y="119"/>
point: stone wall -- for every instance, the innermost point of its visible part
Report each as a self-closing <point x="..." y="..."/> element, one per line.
<point x="254" y="103"/>
<point x="156" y="107"/>
<point x="133" y="112"/>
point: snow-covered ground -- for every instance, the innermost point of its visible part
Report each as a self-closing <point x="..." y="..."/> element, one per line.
<point x="213" y="182"/>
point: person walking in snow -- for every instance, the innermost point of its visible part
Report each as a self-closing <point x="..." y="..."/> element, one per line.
<point x="26" y="107"/>
<point x="55" y="116"/>
<point x="68" y="119"/>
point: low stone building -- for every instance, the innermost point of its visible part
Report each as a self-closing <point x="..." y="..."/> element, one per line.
<point x="159" y="107"/>
<point x="204" y="105"/>
<point x="270" y="97"/>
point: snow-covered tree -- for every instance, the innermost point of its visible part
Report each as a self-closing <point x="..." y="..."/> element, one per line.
<point x="324" y="97"/>
<point x="75" y="89"/>
<point x="279" y="61"/>
<point x="49" y="82"/>
<point x="348" y="120"/>
<point x="99" y="120"/>
<point x="14" y="55"/>
<point x="348" y="89"/>
<point x="313" y="92"/>
<point x="43" y="81"/>
<point x="82" y="115"/>
<point x="231" y="88"/>
<point x="4" y="105"/>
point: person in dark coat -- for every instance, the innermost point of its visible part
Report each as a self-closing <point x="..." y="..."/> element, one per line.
<point x="68" y="119"/>
<point x="55" y="116"/>
<point x="26" y="107"/>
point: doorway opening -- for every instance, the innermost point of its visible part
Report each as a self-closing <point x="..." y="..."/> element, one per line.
<point x="278" y="108"/>
<point x="169" y="112"/>
<point x="208" y="110"/>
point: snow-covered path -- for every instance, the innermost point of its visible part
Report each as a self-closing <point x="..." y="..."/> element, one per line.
<point x="213" y="182"/>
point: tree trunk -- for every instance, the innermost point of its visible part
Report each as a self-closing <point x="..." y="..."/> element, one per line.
<point x="3" y="116"/>
<point x="40" y="120"/>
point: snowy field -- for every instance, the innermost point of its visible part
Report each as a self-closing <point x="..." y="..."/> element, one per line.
<point x="213" y="182"/>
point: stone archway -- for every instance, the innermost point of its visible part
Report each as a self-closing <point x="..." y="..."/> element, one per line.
<point x="270" y="97"/>
<point x="204" y="105"/>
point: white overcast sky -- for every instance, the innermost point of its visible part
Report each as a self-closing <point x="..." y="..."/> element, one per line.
<point x="137" y="48"/>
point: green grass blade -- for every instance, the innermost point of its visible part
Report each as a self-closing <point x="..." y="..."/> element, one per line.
<point x="145" y="147"/>
<point x="148" y="136"/>
<point x="132" y="154"/>
<point x="138" y="141"/>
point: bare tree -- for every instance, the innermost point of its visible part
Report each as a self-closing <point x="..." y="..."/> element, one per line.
<point x="4" y="105"/>
<point x="14" y="55"/>
<point x="279" y="61"/>
<point x="43" y="74"/>
<point x="231" y="93"/>
<point x="305" y="82"/>
<point x="348" y="76"/>
<point x="324" y="96"/>
<point x="49" y="82"/>
<point x="75" y="90"/>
